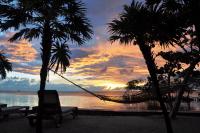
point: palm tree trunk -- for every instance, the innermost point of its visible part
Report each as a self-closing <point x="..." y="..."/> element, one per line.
<point x="146" y="51"/>
<point x="46" y="53"/>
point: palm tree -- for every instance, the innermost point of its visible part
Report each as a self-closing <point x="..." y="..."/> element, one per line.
<point x="55" y="22"/>
<point x="188" y="11"/>
<point x="5" y="65"/>
<point x="146" y="26"/>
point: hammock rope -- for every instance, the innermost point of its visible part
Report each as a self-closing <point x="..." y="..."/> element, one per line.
<point x="96" y="95"/>
<point x="136" y="98"/>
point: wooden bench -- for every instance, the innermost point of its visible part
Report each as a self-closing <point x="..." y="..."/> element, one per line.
<point x="5" y="111"/>
<point x="2" y="105"/>
<point x="65" y="111"/>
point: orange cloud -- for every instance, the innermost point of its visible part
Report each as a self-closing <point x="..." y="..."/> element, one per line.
<point x="109" y="65"/>
<point x="21" y="54"/>
<point x="35" y="70"/>
<point x="21" y="51"/>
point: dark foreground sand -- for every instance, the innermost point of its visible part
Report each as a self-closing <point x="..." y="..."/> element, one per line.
<point x="105" y="124"/>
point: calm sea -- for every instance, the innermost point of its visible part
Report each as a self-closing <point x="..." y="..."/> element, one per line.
<point x="83" y="100"/>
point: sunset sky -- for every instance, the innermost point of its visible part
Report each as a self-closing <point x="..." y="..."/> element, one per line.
<point x="97" y="65"/>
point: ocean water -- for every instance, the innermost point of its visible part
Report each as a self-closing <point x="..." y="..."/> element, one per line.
<point x="86" y="101"/>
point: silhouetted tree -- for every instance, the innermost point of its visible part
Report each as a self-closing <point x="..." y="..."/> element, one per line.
<point x="5" y="65"/>
<point x="56" y="22"/>
<point x="189" y="56"/>
<point x="146" y="26"/>
<point x="134" y="85"/>
<point x="192" y="58"/>
<point x="188" y="12"/>
<point x="165" y="73"/>
<point x="131" y="87"/>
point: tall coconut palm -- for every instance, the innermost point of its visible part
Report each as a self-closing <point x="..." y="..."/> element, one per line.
<point x="146" y="26"/>
<point x="188" y="11"/>
<point x="55" y="22"/>
<point x="5" y="65"/>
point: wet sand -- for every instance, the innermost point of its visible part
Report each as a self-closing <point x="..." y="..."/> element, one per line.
<point x="105" y="124"/>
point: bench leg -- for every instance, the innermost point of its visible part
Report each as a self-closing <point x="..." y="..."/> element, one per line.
<point x="32" y="122"/>
<point x="26" y="111"/>
<point x="75" y="113"/>
<point x="58" y="120"/>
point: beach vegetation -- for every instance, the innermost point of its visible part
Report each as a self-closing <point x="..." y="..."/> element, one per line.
<point x="187" y="12"/>
<point x="5" y="65"/>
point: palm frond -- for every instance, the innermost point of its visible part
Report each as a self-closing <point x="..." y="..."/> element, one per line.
<point x="150" y="24"/>
<point x="60" y="57"/>
<point x="130" y="25"/>
<point x="152" y="2"/>
<point x="13" y="16"/>
<point x="5" y="65"/>
<point x="77" y="26"/>
<point x="26" y="33"/>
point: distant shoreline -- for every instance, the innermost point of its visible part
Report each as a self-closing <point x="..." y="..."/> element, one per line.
<point x="64" y="93"/>
<point x="79" y="93"/>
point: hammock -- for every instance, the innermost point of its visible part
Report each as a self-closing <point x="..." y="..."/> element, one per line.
<point x="141" y="96"/>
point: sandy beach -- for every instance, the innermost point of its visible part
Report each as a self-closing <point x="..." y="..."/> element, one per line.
<point x="104" y="124"/>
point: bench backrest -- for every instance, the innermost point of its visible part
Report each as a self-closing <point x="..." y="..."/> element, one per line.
<point x="51" y="102"/>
